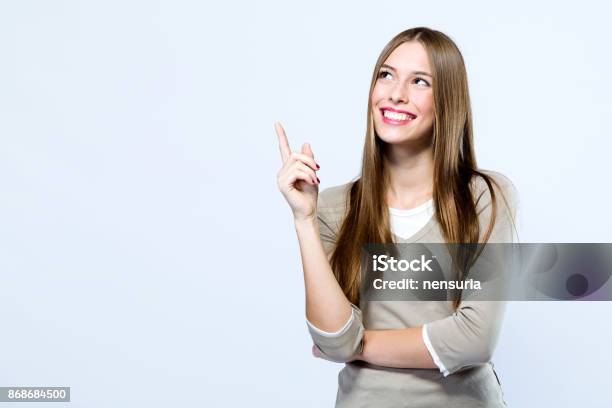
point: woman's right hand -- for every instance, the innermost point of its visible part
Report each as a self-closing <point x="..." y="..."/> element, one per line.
<point x="297" y="179"/>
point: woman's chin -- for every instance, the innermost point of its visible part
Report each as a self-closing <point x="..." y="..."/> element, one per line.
<point x="402" y="139"/>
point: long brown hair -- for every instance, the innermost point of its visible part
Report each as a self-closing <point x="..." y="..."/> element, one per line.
<point x="367" y="218"/>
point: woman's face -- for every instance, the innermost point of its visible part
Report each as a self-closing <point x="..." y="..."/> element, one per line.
<point x="402" y="98"/>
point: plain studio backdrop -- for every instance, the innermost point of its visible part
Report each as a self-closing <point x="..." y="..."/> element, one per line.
<point x="146" y="254"/>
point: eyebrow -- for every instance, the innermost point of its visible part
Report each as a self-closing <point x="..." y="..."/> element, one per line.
<point x="414" y="72"/>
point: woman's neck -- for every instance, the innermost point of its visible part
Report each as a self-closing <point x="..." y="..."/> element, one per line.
<point x="410" y="176"/>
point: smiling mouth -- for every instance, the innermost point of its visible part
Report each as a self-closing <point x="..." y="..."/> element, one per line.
<point x="396" y="118"/>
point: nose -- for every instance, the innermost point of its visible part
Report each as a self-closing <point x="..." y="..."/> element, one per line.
<point x="399" y="94"/>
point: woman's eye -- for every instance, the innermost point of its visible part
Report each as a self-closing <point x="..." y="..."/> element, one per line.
<point x="422" y="81"/>
<point x="382" y="74"/>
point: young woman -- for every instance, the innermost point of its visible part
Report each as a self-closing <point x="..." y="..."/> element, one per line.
<point x="419" y="183"/>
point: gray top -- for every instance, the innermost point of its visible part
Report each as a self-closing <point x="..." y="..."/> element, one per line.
<point x="464" y="340"/>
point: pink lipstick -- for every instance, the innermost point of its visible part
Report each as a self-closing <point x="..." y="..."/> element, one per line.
<point x="396" y="117"/>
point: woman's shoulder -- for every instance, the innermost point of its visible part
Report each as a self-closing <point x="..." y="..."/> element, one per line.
<point x="499" y="177"/>
<point x="505" y="190"/>
<point x="332" y="205"/>
<point x="335" y="197"/>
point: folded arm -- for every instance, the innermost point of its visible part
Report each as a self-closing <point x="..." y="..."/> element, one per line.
<point x="397" y="348"/>
<point x="467" y="337"/>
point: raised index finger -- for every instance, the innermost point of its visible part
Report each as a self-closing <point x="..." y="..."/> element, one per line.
<point x="283" y="143"/>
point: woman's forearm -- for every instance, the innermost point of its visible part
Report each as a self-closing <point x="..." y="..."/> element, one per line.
<point x="399" y="348"/>
<point x="327" y="307"/>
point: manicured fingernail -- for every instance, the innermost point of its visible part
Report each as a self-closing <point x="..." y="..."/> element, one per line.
<point x="318" y="167"/>
<point x="318" y="180"/>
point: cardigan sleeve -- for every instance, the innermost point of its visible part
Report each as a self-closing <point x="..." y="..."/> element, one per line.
<point x="340" y="332"/>
<point x="469" y="336"/>
<point x="432" y="352"/>
<point x="344" y="344"/>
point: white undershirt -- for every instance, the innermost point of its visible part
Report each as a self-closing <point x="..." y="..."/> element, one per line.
<point x="404" y="224"/>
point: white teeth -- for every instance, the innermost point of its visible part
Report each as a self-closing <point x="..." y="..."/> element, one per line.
<point x="396" y="116"/>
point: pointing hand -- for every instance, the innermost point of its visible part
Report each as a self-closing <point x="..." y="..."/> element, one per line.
<point x="297" y="180"/>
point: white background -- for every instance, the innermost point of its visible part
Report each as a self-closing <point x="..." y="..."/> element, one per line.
<point x="146" y="254"/>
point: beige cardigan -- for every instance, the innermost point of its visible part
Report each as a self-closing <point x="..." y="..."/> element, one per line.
<point x="463" y="340"/>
